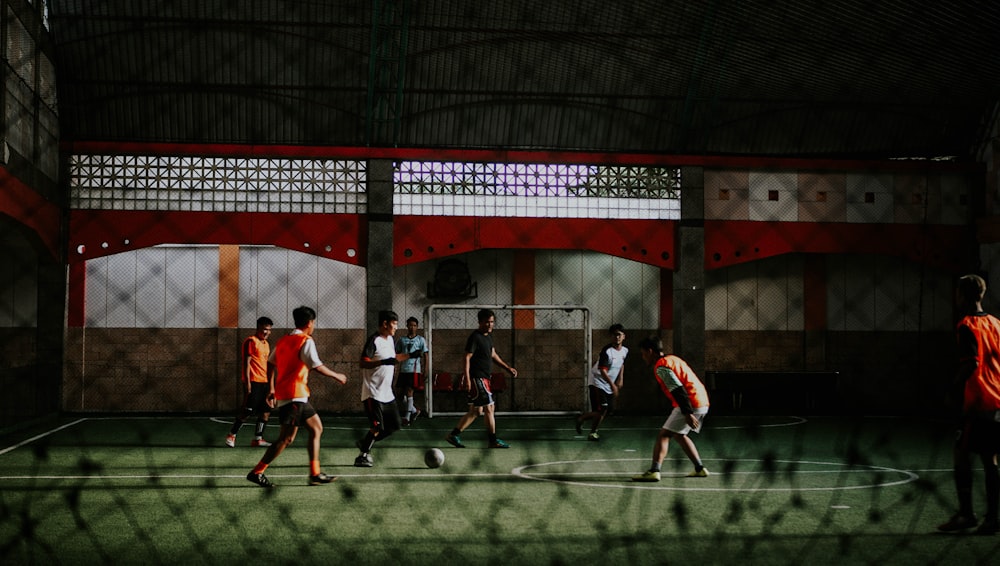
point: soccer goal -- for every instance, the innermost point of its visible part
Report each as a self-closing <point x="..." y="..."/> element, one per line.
<point x="550" y="345"/>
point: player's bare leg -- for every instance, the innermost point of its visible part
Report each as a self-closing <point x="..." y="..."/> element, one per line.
<point x="490" y="419"/>
<point x="687" y="445"/>
<point x="286" y="435"/>
<point x="469" y="417"/>
<point x="660" y="447"/>
<point x="463" y="423"/>
<point x="315" y="427"/>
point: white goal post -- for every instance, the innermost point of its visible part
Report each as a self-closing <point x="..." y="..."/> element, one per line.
<point x="566" y="366"/>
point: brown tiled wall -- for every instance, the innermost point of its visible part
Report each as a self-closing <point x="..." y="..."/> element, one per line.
<point x="17" y="347"/>
<point x="196" y="370"/>
<point x="880" y="373"/>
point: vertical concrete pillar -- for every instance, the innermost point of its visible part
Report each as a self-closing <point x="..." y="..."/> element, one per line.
<point x="689" y="276"/>
<point x="51" y="333"/>
<point x="379" y="258"/>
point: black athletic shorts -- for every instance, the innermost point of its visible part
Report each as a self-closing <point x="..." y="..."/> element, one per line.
<point x="256" y="399"/>
<point x="410" y="381"/>
<point x="481" y="395"/>
<point x="383" y="418"/>
<point x="601" y="400"/>
<point x="982" y="433"/>
<point x="295" y="413"/>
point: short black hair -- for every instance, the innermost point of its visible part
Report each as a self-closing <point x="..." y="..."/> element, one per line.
<point x="302" y="315"/>
<point x="387" y="316"/>
<point x="485" y="314"/>
<point x="653" y="343"/>
<point x="616" y="328"/>
<point x="972" y="288"/>
<point x="412" y="319"/>
<point x="264" y="321"/>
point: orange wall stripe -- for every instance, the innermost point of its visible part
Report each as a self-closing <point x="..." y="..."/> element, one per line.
<point x="524" y="287"/>
<point x="229" y="286"/>
<point x="814" y="291"/>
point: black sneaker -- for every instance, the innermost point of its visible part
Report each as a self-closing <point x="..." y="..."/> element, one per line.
<point x="364" y="461"/>
<point x="988" y="527"/>
<point x="259" y="479"/>
<point x="321" y="478"/>
<point x="958" y="522"/>
<point x="579" y="426"/>
<point x="416" y="413"/>
<point x="454" y="440"/>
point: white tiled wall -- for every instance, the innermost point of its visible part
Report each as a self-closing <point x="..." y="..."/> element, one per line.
<point x="880" y="187"/>
<point x="761" y="295"/>
<point x="273" y="281"/>
<point x="165" y="287"/>
<point x="785" y="185"/>
<point x="178" y="287"/>
<point x="880" y="293"/>
<point x="613" y="289"/>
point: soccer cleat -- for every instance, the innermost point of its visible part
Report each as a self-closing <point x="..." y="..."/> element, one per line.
<point x="231" y="440"/>
<point x="406" y="422"/>
<point x="260" y="443"/>
<point x="579" y="426"/>
<point x="499" y="444"/>
<point x="454" y="440"/>
<point x="958" y="523"/>
<point x="259" y="479"/>
<point x="593" y="436"/>
<point x="649" y="476"/>
<point x="416" y="413"/>
<point x="320" y="479"/>
<point x="702" y="473"/>
<point x="988" y="528"/>
<point x="364" y="461"/>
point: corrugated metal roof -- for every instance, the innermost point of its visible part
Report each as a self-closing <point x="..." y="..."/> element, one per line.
<point x="792" y="78"/>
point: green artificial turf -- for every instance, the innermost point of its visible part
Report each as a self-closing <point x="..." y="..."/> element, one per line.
<point x="783" y="490"/>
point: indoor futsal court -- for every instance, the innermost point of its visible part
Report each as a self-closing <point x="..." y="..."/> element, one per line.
<point x="601" y="219"/>
<point x="782" y="490"/>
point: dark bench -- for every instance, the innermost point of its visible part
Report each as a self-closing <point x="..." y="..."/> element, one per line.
<point x="767" y="391"/>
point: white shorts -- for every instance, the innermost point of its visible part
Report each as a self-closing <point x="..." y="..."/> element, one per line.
<point x="677" y="423"/>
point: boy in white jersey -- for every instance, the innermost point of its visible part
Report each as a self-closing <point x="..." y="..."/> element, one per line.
<point x="606" y="380"/>
<point x="410" y="369"/>
<point x="379" y="356"/>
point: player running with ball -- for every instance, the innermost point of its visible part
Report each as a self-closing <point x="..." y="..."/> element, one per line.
<point x="690" y="400"/>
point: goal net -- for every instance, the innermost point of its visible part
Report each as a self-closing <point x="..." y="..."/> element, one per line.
<point x="549" y="345"/>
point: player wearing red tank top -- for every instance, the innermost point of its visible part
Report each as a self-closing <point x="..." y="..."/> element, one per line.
<point x="978" y="377"/>
<point x="292" y="358"/>
<point x="689" y="398"/>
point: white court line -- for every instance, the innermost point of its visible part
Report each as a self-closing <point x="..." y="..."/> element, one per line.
<point x="147" y="477"/>
<point x="910" y="475"/>
<point x="794" y="422"/>
<point x="554" y="477"/>
<point x="43" y="435"/>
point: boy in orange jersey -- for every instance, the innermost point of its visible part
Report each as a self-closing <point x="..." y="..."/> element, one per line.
<point x="690" y="400"/>
<point x="253" y="359"/>
<point x="289" y="365"/>
<point x="978" y="375"/>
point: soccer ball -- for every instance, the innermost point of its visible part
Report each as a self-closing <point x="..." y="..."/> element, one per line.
<point x="434" y="458"/>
